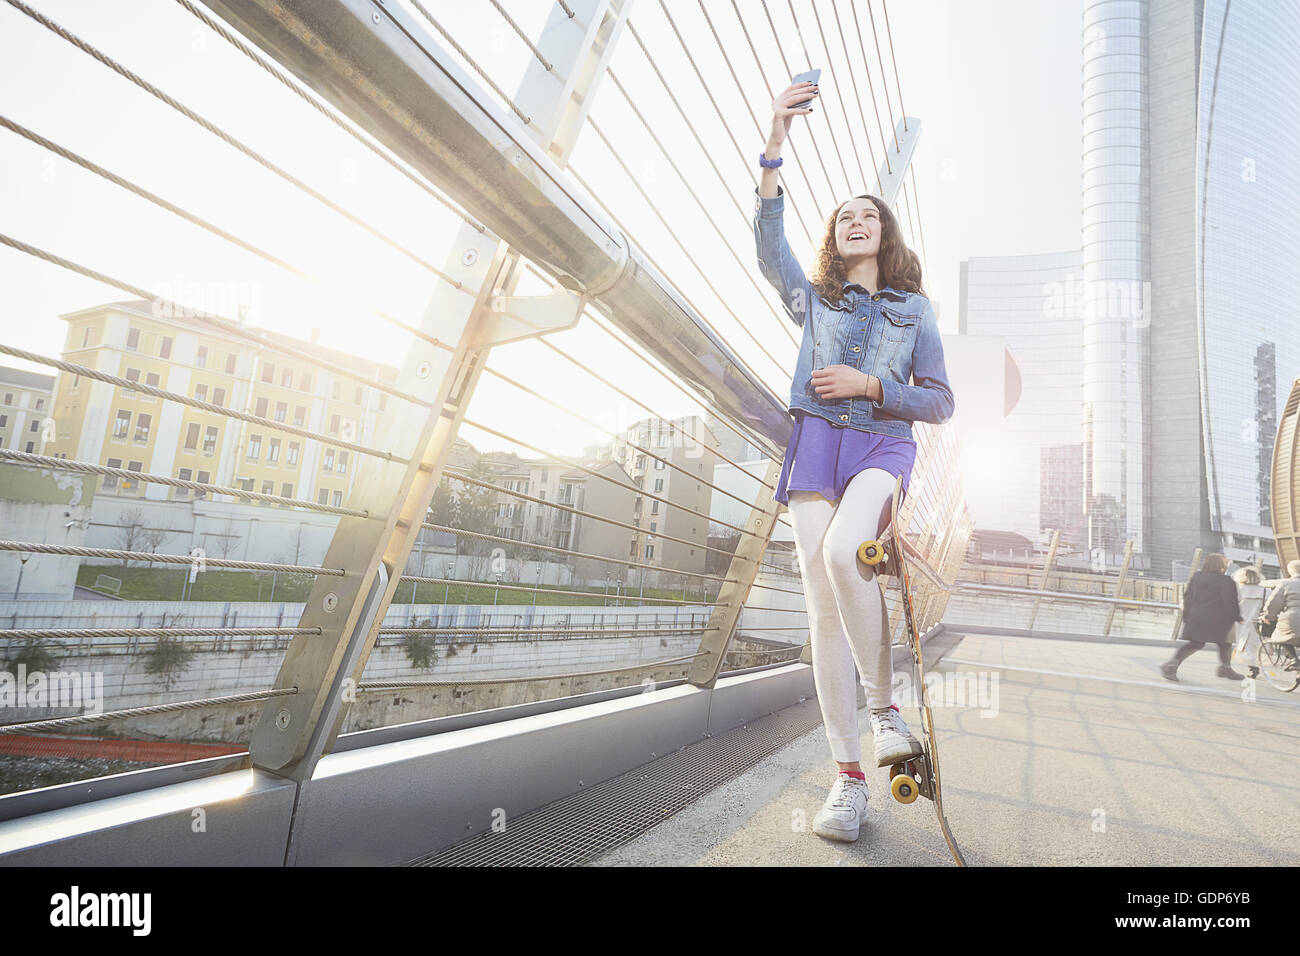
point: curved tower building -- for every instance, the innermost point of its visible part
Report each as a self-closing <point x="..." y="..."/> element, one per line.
<point x="1191" y="242"/>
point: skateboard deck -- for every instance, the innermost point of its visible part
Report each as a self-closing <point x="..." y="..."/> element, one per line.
<point x="917" y="775"/>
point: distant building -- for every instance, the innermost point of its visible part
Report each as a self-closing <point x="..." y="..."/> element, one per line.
<point x="1061" y="492"/>
<point x="1025" y="300"/>
<point x="688" y="485"/>
<point x="25" y="400"/>
<point x="1191" y="203"/>
<point x="119" y="427"/>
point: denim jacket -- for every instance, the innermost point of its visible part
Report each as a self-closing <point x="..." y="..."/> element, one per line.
<point x="892" y="335"/>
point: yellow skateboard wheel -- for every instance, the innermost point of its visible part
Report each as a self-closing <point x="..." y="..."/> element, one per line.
<point x="871" y="552"/>
<point x="903" y="788"/>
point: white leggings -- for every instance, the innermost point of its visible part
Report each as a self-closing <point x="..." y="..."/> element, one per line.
<point x="845" y="606"/>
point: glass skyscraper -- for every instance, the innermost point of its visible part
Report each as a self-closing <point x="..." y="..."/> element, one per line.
<point x="1034" y="303"/>
<point x="1191" y="242"/>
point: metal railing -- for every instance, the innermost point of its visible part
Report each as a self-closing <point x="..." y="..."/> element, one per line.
<point x="522" y="217"/>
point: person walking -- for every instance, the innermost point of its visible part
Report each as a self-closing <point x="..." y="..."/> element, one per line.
<point x="1251" y="594"/>
<point x="868" y="333"/>
<point x="1210" y="608"/>
<point x="1283" y="609"/>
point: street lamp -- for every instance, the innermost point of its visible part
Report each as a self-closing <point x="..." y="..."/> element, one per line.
<point x="23" y="558"/>
<point x="539" y="583"/>
<point x="496" y="590"/>
<point x="447" y="590"/>
<point x="618" y="590"/>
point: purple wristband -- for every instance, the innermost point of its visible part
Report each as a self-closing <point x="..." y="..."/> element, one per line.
<point x="769" y="163"/>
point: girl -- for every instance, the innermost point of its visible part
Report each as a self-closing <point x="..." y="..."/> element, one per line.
<point x="863" y="311"/>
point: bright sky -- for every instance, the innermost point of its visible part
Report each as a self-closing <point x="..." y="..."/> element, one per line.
<point x="995" y="84"/>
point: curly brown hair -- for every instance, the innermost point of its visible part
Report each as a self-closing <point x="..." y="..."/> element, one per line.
<point x="898" y="266"/>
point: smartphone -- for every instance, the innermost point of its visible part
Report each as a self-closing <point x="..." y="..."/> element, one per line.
<point x="812" y="76"/>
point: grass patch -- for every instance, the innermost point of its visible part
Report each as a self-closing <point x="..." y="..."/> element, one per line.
<point x="167" y="584"/>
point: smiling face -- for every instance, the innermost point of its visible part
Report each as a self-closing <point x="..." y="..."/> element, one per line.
<point x="857" y="230"/>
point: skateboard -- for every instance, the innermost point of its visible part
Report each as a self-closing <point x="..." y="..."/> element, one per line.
<point x="917" y="775"/>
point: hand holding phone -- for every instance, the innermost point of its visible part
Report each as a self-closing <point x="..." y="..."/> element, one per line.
<point x="812" y="76"/>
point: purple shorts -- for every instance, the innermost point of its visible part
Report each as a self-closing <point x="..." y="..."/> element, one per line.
<point x="822" y="457"/>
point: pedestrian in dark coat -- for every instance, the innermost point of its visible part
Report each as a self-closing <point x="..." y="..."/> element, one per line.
<point x="1210" y="609"/>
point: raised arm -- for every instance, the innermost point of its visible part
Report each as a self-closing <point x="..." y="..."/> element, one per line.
<point x="775" y="260"/>
<point x="931" y="398"/>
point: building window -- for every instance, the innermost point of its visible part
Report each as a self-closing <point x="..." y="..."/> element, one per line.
<point x="201" y="393"/>
<point x="130" y="484"/>
<point x="123" y="424"/>
<point x="286" y="378"/>
<point x="166" y="350"/>
<point x="185" y="474"/>
<point x="203" y="478"/>
<point x="133" y="340"/>
<point x="4" y="421"/>
<point x="343" y="463"/>
<point x="219" y="397"/>
<point x="201" y="357"/>
<point x="334" y="424"/>
<point x="338" y="499"/>
<point x="132" y="375"/>
<point x="110" y="481"/>
<point x="152" y="380"/>
<point x="36" y="426"/>
<point x="659" y="464"/>
<point x="268" y="373"/>
<point x="281" y="411"/>
<point x="142" y="423"/>
<point x="654" y="507"/>
<point x="76" y="383"/>
<point x="31" y="447"/>
<point x="210" y="440"/>
<point x="324" y="497"/>
<point x="254" y="447"/>
<point x="40" y="404"/>
<point x="85" y="337"/>
<point x="659" y="484"/>
<point x="268" y="488"/>
<point x="273" y="451"/>
<point x="292" y="457"/>
<point x="329" y="460"/>
<point x="304" y="382"/>
<point x="299" y="415"/>
<point x="231" y="359"/>
<point x="654" y="526"/>
<point x="260" y="408"/>
<point x="192" y="437"/>
<point x="649" y="551"/>
<point x="286" y="491"/>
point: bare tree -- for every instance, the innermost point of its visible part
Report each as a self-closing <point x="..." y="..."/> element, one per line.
<point x="153" y="538"/>
<point x="227" y="539"/>
<point x="130" y="533"/>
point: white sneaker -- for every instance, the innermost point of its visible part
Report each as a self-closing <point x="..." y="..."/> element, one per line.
<point x="894" y="742"/>
<point x="844" y="810"/>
